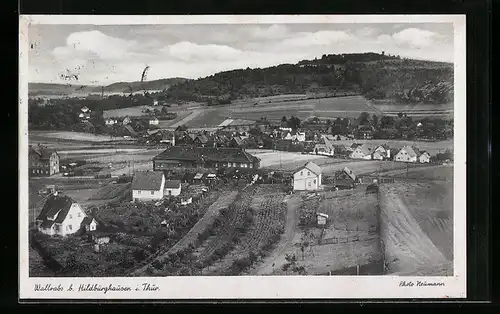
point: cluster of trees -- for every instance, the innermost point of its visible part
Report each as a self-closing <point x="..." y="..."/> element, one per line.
<point x="293" y="122"/>
<point x="374" y="75"/>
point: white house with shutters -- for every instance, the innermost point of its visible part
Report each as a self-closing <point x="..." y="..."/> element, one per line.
<point x="307" y="177"/>
<point x="408" y="154"/>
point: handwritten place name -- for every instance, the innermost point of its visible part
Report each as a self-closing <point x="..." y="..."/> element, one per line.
<point x="95" y="288"/>
<point x="419" y="283"/>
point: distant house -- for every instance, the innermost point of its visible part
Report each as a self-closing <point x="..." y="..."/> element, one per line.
<point x="60" y="215"/>
<point x="425" y="157"/>
<point x="408" y="154"/>
<point x="167" y="137"/>
<point x="148" y="185"/>
<point x="85" y="109"/>
<point x="201" y="140"/>
<point x="307" y="177"/>
<point x="381" y="152"/>
<point x="321" y="218"/>
<point x="186" y="200"/>
<point x="323" y="149"/>
<point x="361" y="152"/>
<point x="42" y="161"/>
<point x="89" y="224"/>
<point x="84" y="116"/>
<point x="237" y="141"/>
<point x="172" y="187"/>
<point x="130" y="130"/>
<point x="110" y="121"/>
<point x="344" y="179"/>
<point x="154" y="121"/>
<point x="126" y="121"/>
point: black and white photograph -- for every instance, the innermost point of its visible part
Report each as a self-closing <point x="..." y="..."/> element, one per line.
<point x="251" y="149"/>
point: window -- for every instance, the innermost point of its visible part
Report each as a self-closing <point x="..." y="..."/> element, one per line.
<point x="302" y="173"/>
<point x="152" y="192"/>
<point x="314" y="181"/>
<point x="69" y="227"/>
<point x="308" y="173"/>
<point x="138" y="192"/>
<point x="169" y="192"/>
<point x="79" y="215"/>
<point x="309" y="183"/>
<point x="70" y="216"/>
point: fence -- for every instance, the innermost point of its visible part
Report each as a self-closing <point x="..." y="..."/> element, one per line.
<point x="355" y="238"/>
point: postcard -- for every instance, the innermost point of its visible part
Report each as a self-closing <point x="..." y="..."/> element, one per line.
<point x="242" y="157"/>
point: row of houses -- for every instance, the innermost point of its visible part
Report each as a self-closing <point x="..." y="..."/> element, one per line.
<point x="383" y="152"/>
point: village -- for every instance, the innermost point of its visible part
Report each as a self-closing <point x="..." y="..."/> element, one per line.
<point x="241" y="197"/>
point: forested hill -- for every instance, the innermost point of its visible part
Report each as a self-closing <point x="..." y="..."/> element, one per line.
<point x="377" y="76"/>
<point x="120" y="87"/>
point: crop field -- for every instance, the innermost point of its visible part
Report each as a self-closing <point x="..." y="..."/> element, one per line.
<point x="124" y="112"/>
<point x="268" y="224"/>
<point x="416" y="228"/>
<point x="360" y="167"/>
<point x="208" y="117"/>
<point x="435" y="172"/>
<point x="429" y="110"/>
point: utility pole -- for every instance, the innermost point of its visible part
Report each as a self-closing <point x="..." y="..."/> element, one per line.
<point x="407" y="166"/>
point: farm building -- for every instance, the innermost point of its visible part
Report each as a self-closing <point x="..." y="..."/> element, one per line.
<point x="85" y="109"/>
<point x="84" y="116"/>
<point x="148" y="185"/>
<point x="381" y="152"/>
<point x="154" y="121"/>
<point x="344" y="179"/>
<point x="60" y="215"/>
<point x="43" y="161"/>
<point x="204" y="157"/>
<point x="425" y="157"/>
<point x="89" y="224"/>
<point x="361" y="152"/>
<point x="110" y="121"/>
<point x="408" y="154"/>
<point x="172" y="187"/>
<point x="307" y="177"/>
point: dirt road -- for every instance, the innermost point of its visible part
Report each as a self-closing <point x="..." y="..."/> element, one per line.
<point x="193" y="115"/>
<point x="291" y="228"/>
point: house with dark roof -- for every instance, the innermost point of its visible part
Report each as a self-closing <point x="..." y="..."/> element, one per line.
<point x="148" y="185"/>
<point x="60" y="215"/>
<point x="237" y="141"/>
<point x="89" y="224"/>
<point x="408" y="154"/>
<point x="201" y="140"/>
<point x="344" y="179"/>
<point x="307" y="177"/>
<point x="43" y="161"/>
<point x="204" y="157"/>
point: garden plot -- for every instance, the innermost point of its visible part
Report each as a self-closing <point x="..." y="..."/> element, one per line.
<point x="268" y="224"/>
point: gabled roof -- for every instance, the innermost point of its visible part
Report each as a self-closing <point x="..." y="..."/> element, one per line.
<point x="239" y="141"/>
<point x="412" y="151"/>
<point x="226" y="122"/>
<point x="312" y="167"/>
<point x="349" y="173"/>
<point x="364" y="149"/>
<point x="384" y="146"/>
<point x="147" y="180"/>
<point x="130" y="129"/>
<point x="55" y="205"/>
<point x="87" y="221"/>
<point x="41" y="152"/>
<point x="202" y="138"/>
<point x="172" y="184"/>
<point x="355" y="145"/>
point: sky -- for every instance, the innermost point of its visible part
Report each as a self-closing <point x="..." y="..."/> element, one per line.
<point x="105" y="54"/>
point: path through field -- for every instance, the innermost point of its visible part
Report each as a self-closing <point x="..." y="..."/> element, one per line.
<point x="408" y="248"/>
<point x="205" y="222"/>
<point x="287" y="240"/>
<point x="190" y="117"/>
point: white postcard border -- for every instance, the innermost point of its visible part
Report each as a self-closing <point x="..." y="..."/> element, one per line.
<point x="252" y="287"/>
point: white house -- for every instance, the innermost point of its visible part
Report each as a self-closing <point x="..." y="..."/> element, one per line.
<point x="89" y="223"/>
<point x="425" y="157"/>
<point x="110" y="121"/>
<point x="361" y="152"/>
<point x="85" y="109"/>
<point x="84" y="116"/>
<point x="381" y="152"/>
<point x="153" y="121"/>
<point x="60" y="215"/>
<point x="148" y="185"/>
<point x="172" y="187"/>
<point x="408" y="154"/>
<point x="307" y="177"/>
<point x="322" y="218"/>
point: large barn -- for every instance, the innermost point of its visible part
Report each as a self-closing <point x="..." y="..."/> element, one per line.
<point x="204" y="157"/>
